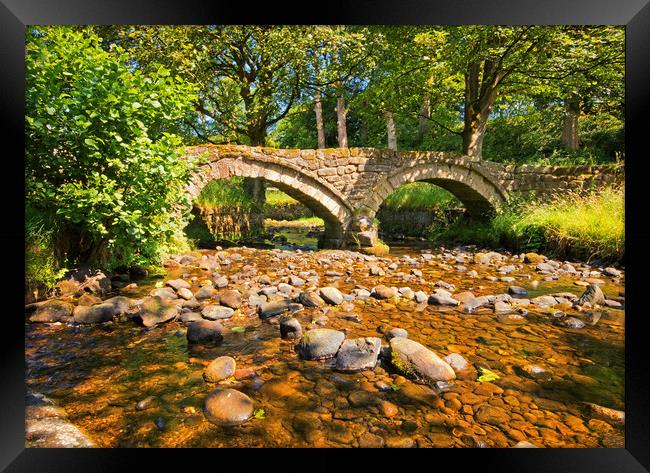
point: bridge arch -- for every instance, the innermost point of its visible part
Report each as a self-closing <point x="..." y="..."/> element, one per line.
<point x="480" y="195"/>
<point x="319" y="198"/>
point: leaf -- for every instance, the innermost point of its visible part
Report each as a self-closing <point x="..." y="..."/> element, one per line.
<point x="259" y="414"/>
<point x="238" y="329"/>
<point x="487" y="376"/>
<point x="395" y="387"/>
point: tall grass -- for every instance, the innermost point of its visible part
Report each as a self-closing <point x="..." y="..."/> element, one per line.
<point x="224" y="193"/>
<point x="43" y="266"/>
<point x="584" y="226"/>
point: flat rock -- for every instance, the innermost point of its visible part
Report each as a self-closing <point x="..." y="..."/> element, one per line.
<point x="320" y="343"/>
<point x="271" y="309"/>
<point x="311" y="299"/>
<point x="217" y="312"/>
<point x="156" y="310"/>
<point x="52" y="311"/>
<point x="94" y="314"/>
<point x="358" y="354"/>
<point x="178" y="283"/>
<point x="415" y="359"/>
<point x="331" y="295"/>
<point x="230" y="298"/>
<point x="382" y="292"/>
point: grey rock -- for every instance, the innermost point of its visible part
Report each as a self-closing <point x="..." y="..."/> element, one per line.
<point x="205" y="331"/>
<point x="320" y="343"/>
<point x="94" y="314"/>
<point x="456" y="361"/>
<point x="358" y="354"/>
<point x="216" y="312"/>
<point x="271" y="309"/>
<point x="290" y="329"/>
<point x="219" y="369"/>
<point x="331" y="295"/>
<point x="178" y="283"/>
<point x="413" y="358"/>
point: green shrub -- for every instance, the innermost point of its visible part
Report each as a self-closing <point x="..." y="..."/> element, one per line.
<point x="101" y="149"/>
<point x="42" y="264"/>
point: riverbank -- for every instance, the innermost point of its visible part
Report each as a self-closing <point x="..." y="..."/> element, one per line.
<point x="526" y="349"/>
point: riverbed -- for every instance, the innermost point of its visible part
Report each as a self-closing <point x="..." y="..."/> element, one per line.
<point x="531" y="378"/>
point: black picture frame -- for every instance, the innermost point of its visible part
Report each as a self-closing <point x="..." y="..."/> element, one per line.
<point x="635" y="14"/>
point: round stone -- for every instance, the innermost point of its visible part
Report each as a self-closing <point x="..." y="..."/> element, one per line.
<point x="219" y="368"/>
<point x="228" y="407"/>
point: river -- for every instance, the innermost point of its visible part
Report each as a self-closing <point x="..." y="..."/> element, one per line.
<point x="97" y="374"/>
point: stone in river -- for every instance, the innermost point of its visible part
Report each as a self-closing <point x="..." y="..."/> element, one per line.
<point x="228" y="407"/>
<point x="613" y="272"/>
<point x="163" y="292"/>
<point x="608" y="414"/>
<point x="524" y="444"/>
<point x="382" y="292"/>
<point x="185" y="293"/>
<point x="369" y="440"/>
<point x="178" y="283"/>
<point x="190" y="317"/>
<point x="517" y="291"/>
<point x="456" y="361"/>
<point x="331" y="295"/>
<point x="572" y="322"/>
<point x="311" y="299"/>
<point x="502" y="308"/>
<point x="216" y="312"/>
<point x="94" y="314"/>
<point x="593" y="294"/>
<point x="219" y="369"/>
<point x="205" y="292"/>
<point x="533" y="258"/>
<point x="492" y="415"/>
<point x="88" y="299"/>
<point x="52" y="311"/>
<point x="396" y="332"/>
<point x="205" y="331"/>
<point x="545" y="268"/>
<point x="442" y="299"/>
<point x="537" y="372"/>
<point x="120" y="304"/>
<point x="146" y="403"/>
<point x="230" y="298"/>
<point x="221" y="282"/>
<point x="156" y="310"/>
<point x="320" y="343"/>
<point x="358" y="354"/>
<point x="290" y="329"/>
<point x="296" y="281"/>
<point x="421" y="297"/>
<point x="415" y="359"/>
<point x="271" y="309"/>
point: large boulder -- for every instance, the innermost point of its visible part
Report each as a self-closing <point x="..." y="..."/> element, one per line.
<point x="311" y="299"/>
<point x="205" y="331"/>
<point x="228" y="407"/>
<point x="413" y="358"/>
<point x="52" y="311"/>
<point x="320" y="343"/>
<point x="94" y="314"/>
<point x="120" y="304"/>
<point x="358" y="354"/>
<point x="217" y="312"/>
<point x="156" y="310"/>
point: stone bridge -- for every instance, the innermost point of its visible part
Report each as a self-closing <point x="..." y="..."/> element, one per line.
<point x="346" y="186"/>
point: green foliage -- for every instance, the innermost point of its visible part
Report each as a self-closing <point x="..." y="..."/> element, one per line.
<point x="586" y="226"/>
<point x="42" y="264"/>
<point x="101" y="149"/>
<point x="419" y="195"/>
<point x="259" y="414"/>
<point x="226" y="193"/>
<point x="486" y="375"/>
<point x="238" y="329"/>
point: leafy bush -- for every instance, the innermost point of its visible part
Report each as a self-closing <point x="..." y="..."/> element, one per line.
<point x="101" y="149"/>
<point x="42" y="264"/>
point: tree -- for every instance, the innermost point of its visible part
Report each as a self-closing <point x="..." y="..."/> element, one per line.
<point x="101" y="146"/>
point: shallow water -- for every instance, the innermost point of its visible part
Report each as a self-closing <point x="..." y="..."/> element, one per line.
<point x="97" y="374"/>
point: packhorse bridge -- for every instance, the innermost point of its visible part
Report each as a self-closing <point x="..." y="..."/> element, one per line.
<point x="346" y="186"/>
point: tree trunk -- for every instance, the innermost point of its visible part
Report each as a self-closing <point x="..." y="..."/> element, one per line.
<point x="320" y="125"/>
<point x="478" y="103"/>
<point x="570" y="137"/>
<point x="391" y="131"/>
<point x="425" y="114"/>
<point x="341" y="113"/>
<point x="255" y="187"/>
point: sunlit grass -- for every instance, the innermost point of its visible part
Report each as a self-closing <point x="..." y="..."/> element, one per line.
<point x="277" y="198"/>
<point x="419" y="195"/>
<point x="300" y="222"/>
<point x="586" y="226"/>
